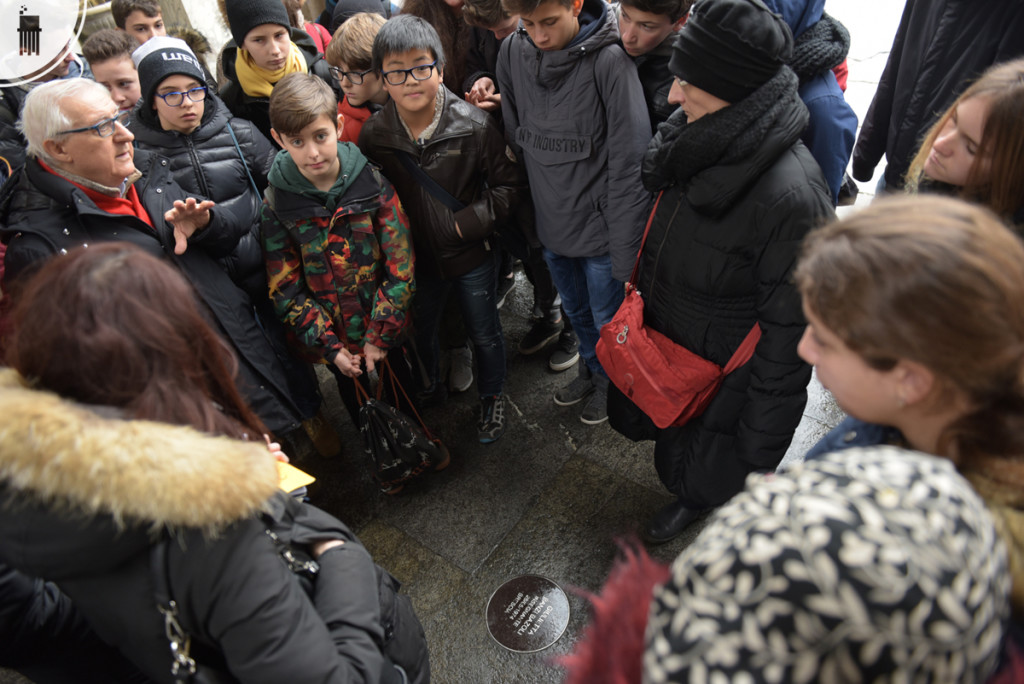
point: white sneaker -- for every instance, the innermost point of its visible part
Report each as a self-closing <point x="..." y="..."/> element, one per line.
<point x="460" y="376"/>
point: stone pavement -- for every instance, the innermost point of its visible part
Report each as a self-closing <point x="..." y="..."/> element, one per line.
<point x="551" y="496"/>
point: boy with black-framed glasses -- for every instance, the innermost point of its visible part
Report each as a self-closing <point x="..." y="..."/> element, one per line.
<point x="350" y="55"/>
<point x="458" y="181"/>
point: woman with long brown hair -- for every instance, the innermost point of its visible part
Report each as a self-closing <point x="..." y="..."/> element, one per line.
<point x="133" y="475"/>
<point x="976" y="149"/>
<point x="915" y="310"/>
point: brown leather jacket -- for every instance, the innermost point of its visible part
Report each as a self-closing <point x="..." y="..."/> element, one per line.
<point x="467" y="156"/>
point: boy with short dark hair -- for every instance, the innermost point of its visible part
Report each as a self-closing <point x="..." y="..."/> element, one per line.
<point x="573" y="105"/>
<point x="647" y="29"/>
<point x="335" y="240"/>
<point x="141" y="19"/>
<point x="109" y="52"/>
<point x="457" y="181"/>
<point x="350" y="54"/>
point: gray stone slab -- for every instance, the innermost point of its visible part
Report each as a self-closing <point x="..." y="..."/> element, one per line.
<point x="820" y="404"/>
<point x="429" y="579"/>
<point x="463" y="512"/>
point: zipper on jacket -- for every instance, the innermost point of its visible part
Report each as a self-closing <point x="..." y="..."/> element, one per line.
<point x="204" y="187"/>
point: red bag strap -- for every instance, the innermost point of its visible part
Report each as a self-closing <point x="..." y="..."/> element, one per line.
<point x="396" y="387"/>
<point x="650" y="220"/>
<point x="744" y="351"/>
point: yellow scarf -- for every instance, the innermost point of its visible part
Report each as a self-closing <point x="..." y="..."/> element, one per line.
<point x="258" y="82"/>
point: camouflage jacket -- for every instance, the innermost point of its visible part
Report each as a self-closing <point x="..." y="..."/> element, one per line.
<point x="344" y="278"/>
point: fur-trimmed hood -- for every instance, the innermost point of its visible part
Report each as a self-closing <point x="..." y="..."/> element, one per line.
<point x="111" y="483"/>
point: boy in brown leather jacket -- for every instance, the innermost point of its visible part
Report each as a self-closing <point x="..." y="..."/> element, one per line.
<point x="457" y="181"/>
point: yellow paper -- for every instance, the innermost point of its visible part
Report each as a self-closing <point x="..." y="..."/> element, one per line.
<point x="292" y="478"/>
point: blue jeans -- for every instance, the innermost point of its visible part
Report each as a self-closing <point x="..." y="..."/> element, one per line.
<point x="477" y="293"/>
<point x="590" y="297"/>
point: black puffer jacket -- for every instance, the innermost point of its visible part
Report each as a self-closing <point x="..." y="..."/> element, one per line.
<point x="940" y="47"/>
<point x="43" y="214"/>
<point x="467" y="156"/>
<point x="207" y="162"/>
<point x="257" y="109"/>
<point x="718" y="258"/>
<point x="92" y="499"/>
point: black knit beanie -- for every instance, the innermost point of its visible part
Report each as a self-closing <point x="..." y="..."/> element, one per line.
<point x="163" y="56"/>
<point x="346" y="9"/>
<point x="245" y="15"/>
<point x="730" y="48"/>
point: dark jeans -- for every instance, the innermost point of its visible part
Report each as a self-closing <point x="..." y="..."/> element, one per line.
<point x="590" y="297"/>
<point x="476" y="292"/>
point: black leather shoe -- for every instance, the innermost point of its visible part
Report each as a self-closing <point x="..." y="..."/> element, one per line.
<point x="669" y="523"/>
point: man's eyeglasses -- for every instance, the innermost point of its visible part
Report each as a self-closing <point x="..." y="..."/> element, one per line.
<point x="354" y="77"/>
<point x="418" y="73"/>
<point x="197" y="94"/>
<point x="104" y="128"/>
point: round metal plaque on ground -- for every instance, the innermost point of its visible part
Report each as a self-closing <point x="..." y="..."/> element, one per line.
<point x="528" y="613"/>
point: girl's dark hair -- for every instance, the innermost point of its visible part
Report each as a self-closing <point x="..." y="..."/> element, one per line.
<point x="111" y="325"/>
<point x="936" y="281"/>
<point x="453" y="32"/>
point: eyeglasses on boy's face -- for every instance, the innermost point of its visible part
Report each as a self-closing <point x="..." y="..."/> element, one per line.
<point x="419" y="73"/>
<point x="197" y="94"/>
<point x="354" y="77"/>
<point x="105" y="128"/>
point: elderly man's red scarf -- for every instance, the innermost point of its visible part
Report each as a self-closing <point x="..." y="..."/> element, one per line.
<point x="129" y="205"/>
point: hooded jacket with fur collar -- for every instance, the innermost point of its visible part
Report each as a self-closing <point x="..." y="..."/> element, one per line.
<point x="86" y="497"/>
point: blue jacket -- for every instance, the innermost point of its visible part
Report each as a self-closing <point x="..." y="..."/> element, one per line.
<point x="833" y="127"/>
<point x="852" y="432"/>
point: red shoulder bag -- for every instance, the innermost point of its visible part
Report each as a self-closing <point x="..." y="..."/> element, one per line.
<point x="667" y="381"/>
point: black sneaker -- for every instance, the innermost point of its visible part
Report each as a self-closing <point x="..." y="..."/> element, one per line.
<point x="506" y="285"/>
<point x="576" y="391"/>
<point x="596" y="410"/>
<point x="567" y="354"/>
<point x="539" y="336"/>
<point x="492" y="419"/>
<point x="435" y="396"/>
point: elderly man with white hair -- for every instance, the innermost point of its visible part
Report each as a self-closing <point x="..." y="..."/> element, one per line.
<point x="85" y="183"/>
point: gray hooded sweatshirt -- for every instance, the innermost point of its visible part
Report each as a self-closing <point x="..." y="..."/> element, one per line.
<point x="578" y="118"/>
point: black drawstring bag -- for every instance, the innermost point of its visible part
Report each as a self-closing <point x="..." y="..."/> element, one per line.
<point x="401" y="450"/>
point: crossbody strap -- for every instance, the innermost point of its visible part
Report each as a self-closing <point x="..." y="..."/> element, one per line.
<point x="245" y="164"/>
<point x="640" y="253"/>
<point x="744" y="351"/>
<point x="428" y="183"/>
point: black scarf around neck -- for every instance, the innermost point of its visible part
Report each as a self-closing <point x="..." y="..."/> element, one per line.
<point x="821" y="47"/>
<point x="680" y="150"/>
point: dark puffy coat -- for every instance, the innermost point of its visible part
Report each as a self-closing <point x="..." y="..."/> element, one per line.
<point x="44" y="637"/>
<point x="207" y="163"/>
<point x="206" y="160"/>
<point x="257" y="109"/>
<point x="940" y="47"/>
<point x="468" y="157"/>
<point x="718" y="259"/>
<point x="12" y="142"/>
<point x="123" y="483"/>
<point x="44" y="215"/>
